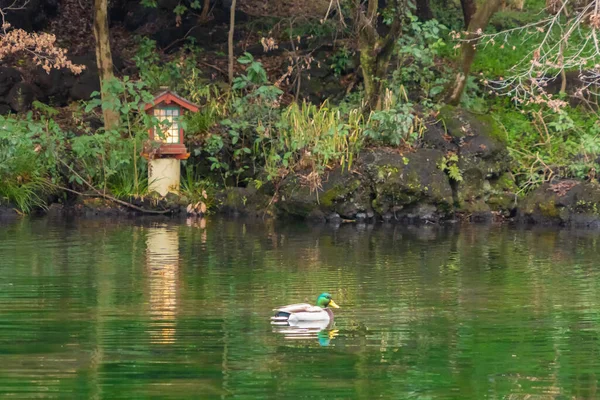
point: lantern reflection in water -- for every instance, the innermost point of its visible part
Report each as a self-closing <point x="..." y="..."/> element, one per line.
<point x="162" y="263"/>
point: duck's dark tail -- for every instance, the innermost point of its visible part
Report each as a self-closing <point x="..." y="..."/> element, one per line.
<point x="281" y="318"/>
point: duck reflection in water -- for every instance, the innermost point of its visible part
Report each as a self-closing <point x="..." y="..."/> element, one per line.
<point x="307" y="330"/>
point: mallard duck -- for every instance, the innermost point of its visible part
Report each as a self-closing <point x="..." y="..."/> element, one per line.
<point x="294" y="313"/>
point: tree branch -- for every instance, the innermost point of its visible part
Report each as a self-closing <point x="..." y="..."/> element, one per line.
<point x="104" y="195"/>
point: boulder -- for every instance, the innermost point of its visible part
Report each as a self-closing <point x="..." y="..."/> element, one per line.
<point x="88" y="81"/>
<point x="33" y="16"/>
<point x="22" y="95"/>
<point x="133" y="14"/>
<point x="246" y="201"/>
<point x="483" y="161"/>
<point x="481" y="142"/>
<point x="341" y="192"/>
<point x="402" y="182"/>
<point x="7" y="211"/>
<point x="435" y="137"/>
<point x="5" y="109"/>
<point x="565" y="203"/>
<point x="58" y="87"/>
<point x="54" y="85"/>
<point x="8" y="78"/>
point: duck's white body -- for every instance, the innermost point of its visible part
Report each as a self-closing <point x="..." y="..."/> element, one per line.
<point x="295" y="314"/>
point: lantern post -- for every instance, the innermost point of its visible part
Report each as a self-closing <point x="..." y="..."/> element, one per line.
<point x="164" y="165"/>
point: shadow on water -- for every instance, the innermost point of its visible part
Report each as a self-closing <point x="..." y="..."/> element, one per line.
<point x="102" y="308"/>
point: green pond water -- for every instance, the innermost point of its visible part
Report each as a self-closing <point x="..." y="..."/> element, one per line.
<point x="114" y="309"/>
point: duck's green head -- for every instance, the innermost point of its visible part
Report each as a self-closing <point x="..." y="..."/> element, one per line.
<point x="325" y="301"/>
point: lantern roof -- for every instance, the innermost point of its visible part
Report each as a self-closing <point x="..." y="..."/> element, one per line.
<point x="168" y="97"/>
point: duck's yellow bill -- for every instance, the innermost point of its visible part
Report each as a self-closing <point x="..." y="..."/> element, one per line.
<point x="332" y="304"/>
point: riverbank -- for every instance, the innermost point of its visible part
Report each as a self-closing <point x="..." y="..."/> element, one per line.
<point x="563" y="204"/>
<point x="462" y="171"/>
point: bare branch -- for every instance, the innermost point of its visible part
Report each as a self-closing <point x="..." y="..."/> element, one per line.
<point x="565" y="41"/>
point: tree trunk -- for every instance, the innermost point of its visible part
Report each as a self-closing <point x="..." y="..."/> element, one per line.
<point x="479" y="21"/>
<point x="230" y="40"/>
<point x="374" y="67"/>
<point x="104" y="60"/>
<point x="375" y="53"/>
<point x="424" y="10"/>
<point x="205" y="10"/>
<point x="469" y="8"/>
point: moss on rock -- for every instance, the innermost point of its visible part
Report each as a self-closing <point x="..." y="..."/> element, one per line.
<point x="401" y="180"/>
<point x="461" y="123"/>
<point x="564" y="202"/>
<point x="339" y="187"/>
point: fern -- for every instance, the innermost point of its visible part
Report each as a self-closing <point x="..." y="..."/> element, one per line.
<point x="450" y="166"/>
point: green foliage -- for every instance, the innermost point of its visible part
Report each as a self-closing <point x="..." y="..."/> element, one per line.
<point x="312" y="28"/>
<point x="122" y="185"/>
<point x="180" y="9"/>
<point x="397" y="124"/>
<point x="37" y="156"/>
<point x="259" y="135"/>
<point x="196" y="188"/>
<point x="149" y="3"/>
<point x="473" y="98"/>
<point x="394" y="126"/>
<point x="319" y="136"/>
<point x="26" y="195"/>
<point x="418" y="49"/>
<point x="340" y="60"/>
<point x="103" y="156"/>
<point x="28" y="160"/>
<point x="450" y="166"/>
<point x="547" y="144"/>
<point x="255" y="76"/>
<point x="254" y="106"/>
<point x="214" y="107"/>
<point x="448" y="13"/>
<point x="417" y="73"/>
<point x="180" y="74"/>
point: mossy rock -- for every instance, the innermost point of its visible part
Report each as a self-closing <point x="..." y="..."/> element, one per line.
<point x="563" y="203"/>
<point x="481" y="141"/>
<point x="435" y="137"/>
<point x="7" y="210"/>
<point x="477" y="211"/>
<point x="502" y="194"/>
<point x="401" y="180"/>
<point x="244" y="201"/>
<point x="499" y="194"/>
<point x="338" y="188"/>
<point x="472" y="187"/>
<point x="461" y="123"/>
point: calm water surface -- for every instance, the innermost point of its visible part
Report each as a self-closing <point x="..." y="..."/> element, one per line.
<point x="111" y="309"/>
